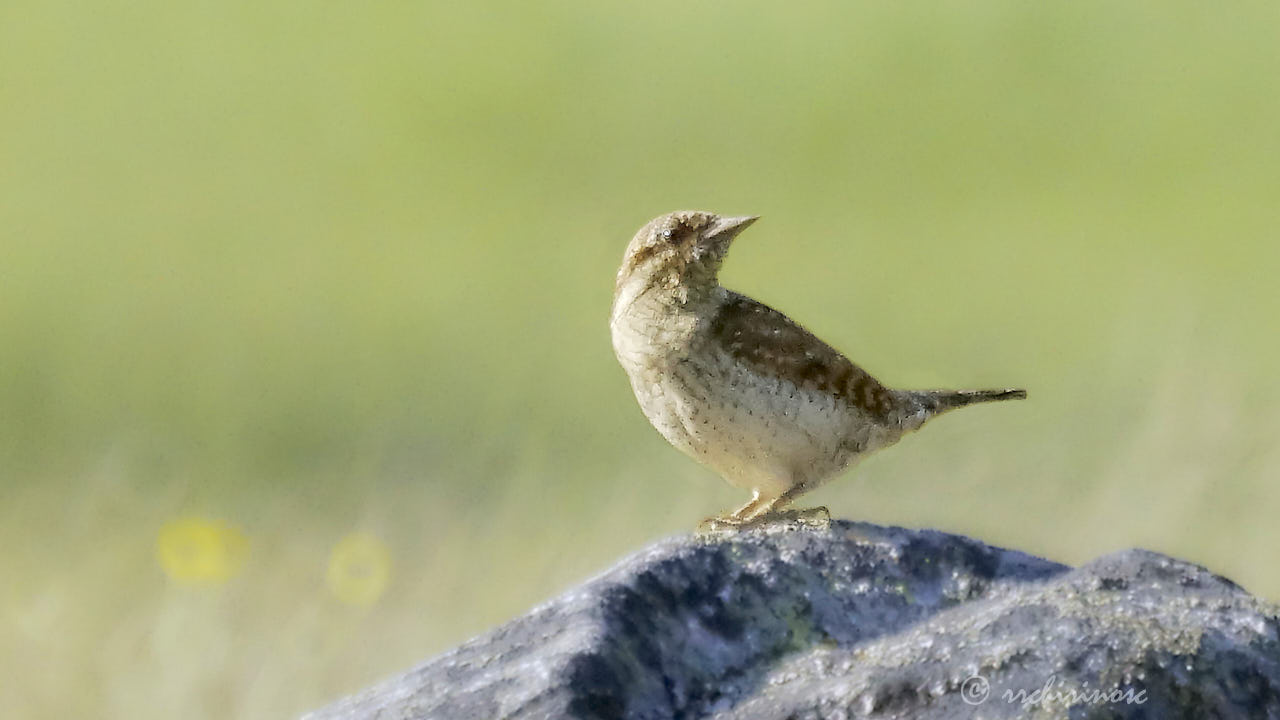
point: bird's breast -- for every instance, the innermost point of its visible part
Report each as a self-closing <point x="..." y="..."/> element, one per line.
<point x="650" y="330"/>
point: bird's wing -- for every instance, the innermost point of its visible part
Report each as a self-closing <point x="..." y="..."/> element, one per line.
<point x="774" y="345"/>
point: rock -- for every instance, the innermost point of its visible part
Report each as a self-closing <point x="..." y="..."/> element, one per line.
<point x="860" y="621"/>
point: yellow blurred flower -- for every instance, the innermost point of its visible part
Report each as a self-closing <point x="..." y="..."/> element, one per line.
<point x="359" y="569"/>
<point x="199" y="551"/>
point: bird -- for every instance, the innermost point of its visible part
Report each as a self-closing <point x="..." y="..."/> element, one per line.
<point x="741" y="387"/>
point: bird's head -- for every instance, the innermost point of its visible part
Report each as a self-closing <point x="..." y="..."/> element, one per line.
<point x="684" y="248"/>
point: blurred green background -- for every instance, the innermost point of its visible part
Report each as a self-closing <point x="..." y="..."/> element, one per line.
<point x="304" y="362"/>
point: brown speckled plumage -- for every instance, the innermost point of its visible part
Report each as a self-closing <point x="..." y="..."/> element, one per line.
<point x="774" y="344"/>
<point x="738" y="385"/>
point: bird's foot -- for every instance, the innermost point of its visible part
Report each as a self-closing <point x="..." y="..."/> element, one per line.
<point x="722" y="523"/>
<point x="817" y="517"/>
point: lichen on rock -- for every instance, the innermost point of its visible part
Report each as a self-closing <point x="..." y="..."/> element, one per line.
<point x="857" y="620"/>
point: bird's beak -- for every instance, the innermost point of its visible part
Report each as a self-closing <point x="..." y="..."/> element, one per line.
<point x="726" y="228"/>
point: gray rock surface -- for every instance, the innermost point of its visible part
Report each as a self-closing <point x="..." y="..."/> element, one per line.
<point x="861" y="621"/>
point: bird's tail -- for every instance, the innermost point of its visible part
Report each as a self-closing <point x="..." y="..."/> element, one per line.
<point x="938" y="401"/>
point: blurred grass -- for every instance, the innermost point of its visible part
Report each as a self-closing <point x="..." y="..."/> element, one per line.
<point x="308" y="269"/>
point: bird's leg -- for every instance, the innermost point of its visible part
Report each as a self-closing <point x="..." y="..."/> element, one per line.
<point x="776" y="509"/>
<point x="763" y="510"/>
<point x="746" y="510"/>
<point x="737" y="518"/>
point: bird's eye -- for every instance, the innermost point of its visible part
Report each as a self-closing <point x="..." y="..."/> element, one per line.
<point x="668" y="234"/>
